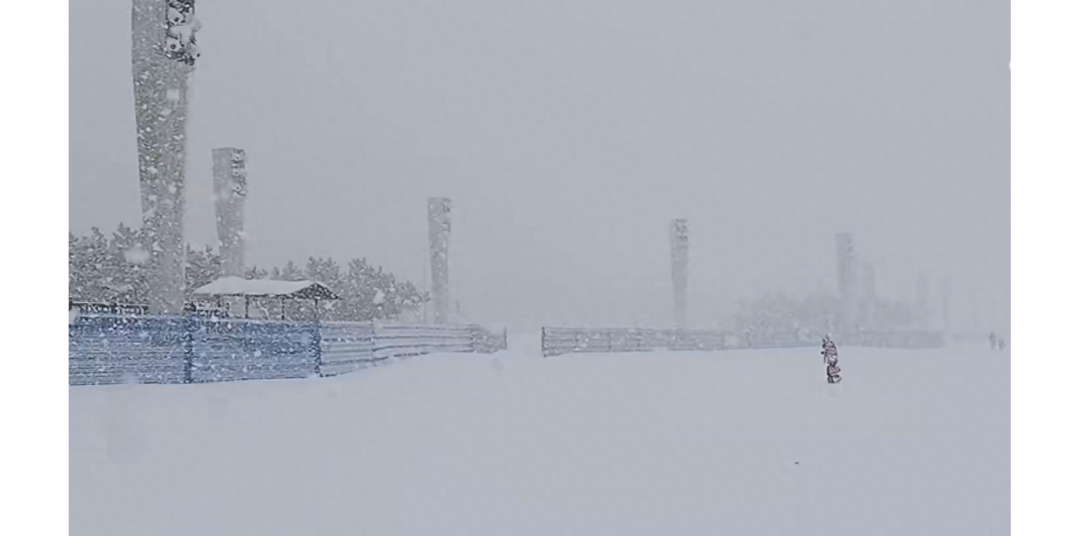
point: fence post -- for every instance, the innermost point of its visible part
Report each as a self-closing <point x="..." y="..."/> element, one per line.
<point x="543" y="342"/>
<point x="189" y="345"/>
<point x="317" y="348"/>
<point x="374" y="340"/>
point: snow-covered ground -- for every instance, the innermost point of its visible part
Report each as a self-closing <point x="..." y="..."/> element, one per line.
<point x="740" y="442"/>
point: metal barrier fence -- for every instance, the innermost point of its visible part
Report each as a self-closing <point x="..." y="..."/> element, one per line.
<point x="348" y="346"/>
<point x="559" y="341"/>
<point x="108" y="349"/>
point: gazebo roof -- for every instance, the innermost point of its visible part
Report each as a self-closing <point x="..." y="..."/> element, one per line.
<point x="238" y="286"/>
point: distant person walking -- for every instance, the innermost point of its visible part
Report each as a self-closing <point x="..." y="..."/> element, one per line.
<point x="993" y="341"/>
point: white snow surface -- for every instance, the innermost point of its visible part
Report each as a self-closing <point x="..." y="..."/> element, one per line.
<point x="913" y="442"/>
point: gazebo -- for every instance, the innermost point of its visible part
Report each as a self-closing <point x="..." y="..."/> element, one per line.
<point x="234" y="286"/>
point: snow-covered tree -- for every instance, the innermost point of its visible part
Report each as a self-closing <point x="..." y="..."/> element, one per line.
<point x="117" y="270"/>
<point x="203" y="267"/>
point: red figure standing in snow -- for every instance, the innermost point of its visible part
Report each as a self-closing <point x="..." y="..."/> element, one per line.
<point x="832" y="360"/>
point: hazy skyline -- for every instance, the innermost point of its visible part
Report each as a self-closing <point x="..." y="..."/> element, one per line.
<point x="568" y="134"/>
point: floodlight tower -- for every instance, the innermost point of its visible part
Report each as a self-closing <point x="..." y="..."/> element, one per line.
<point x="163" y="58"/>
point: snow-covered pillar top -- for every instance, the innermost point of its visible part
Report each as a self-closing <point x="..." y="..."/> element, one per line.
<point x="181" y="26"/>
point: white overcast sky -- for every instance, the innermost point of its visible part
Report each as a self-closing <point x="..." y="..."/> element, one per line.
<point x="568" y="133"/>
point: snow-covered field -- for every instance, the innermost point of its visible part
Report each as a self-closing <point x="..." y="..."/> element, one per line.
<point x="913" y="443"/>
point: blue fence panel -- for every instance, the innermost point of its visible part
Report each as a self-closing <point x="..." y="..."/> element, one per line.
<point x="109" y="349"/>
<point x="225" y="350"/>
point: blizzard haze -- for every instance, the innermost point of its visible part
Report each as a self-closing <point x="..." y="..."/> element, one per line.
<point x="568" y="134"/>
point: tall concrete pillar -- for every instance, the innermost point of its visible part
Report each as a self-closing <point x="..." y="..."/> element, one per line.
<point x="922" y="297"/>
<point x="680" y="260"/>
<point x="946" y="298"/>
<point x="869" y="294"/>
<point x="163" y="57"/>
<point x="230" y="190"/>
<point x="846" y="280"/>
<point x="439" y="248"/>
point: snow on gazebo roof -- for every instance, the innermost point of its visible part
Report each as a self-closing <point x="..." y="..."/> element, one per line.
<point x="238" y="286"/>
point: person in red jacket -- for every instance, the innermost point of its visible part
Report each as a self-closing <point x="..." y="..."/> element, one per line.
<point x="832" y="360"/>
